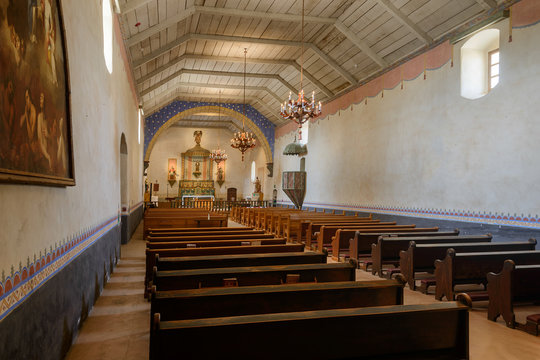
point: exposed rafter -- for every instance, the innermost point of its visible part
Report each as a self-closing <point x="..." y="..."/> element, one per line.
<point x="216" y="73"/>
<point x="487" y="4"/>
<point x="228" y="125"/>
<point x="360" y="44"/>
<point x="187" y="37"/>
<point x="184" y="14"/>
<point x="234" y="87"/>
<point x="180" y="58"/>
<point x="403" y="19"/>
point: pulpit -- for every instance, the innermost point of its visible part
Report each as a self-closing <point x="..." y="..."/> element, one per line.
<point x="294" y="185"/>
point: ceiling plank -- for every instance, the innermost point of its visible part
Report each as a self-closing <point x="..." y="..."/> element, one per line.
<point x="355" y="39"/>
<point x="132" y="5"/>
<point x="399" y="16"/>
<point x="228" y="86"/>
<point x="487" y="4"/>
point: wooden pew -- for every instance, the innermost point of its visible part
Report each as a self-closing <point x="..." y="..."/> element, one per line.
<point x="472" y="268"/>
<point x="292" y="227"/>
<point x="209" y="220"/>
<point x="434" y="331"/>
<point x="387" y="249"/>
<point x="311" y="228"/>
<point x="211" y="236"/>
<point x="164" y="231"/>
<point x="221" y="250"/>
<point x="252" y="275"/>
<point x="342" y="242"/>
<point x="213" y="243"/>
<point x="241" y="260"/>
<point x="324" y="239"/>
<point x="267" y="299"/>
<point x="360" y="243"/>
<point x="515" y="283"/>
<point x="421" y="257"/>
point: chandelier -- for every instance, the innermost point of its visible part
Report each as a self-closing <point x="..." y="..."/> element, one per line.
<point x="243" y="141"/>
<point x="218" y="155"/>
<point x="300" y="110"/>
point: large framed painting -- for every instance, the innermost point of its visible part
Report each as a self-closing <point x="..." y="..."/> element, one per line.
<point x="35" y="118"/>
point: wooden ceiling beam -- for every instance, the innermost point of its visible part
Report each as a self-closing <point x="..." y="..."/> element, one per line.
<point x="234" y="87"/>
<point x="405" y="21"/>
<point x="238" y="39"/>
<point x="292" y="63"/>
<point x="361" y="44"/>
<point x="184" y="14"/>
<point x="216" y="73"/>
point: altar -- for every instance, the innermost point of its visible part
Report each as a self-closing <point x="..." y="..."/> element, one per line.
<point x="197" y="173"/>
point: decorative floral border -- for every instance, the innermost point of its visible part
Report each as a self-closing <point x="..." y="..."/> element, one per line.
<point x="18" y="286"/>
<point x="485" y="217"/>
<point x="131" y="209"/>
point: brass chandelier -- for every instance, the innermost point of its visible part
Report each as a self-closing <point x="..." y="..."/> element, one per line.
<point x="218" y="155"/>
<point x="300" y="110"/>
<point x="243" y="141"/>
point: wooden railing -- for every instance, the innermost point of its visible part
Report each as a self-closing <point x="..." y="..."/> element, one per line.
<point x="218" y="205"/>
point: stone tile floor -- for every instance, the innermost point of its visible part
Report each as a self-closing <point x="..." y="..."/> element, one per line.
<point x="118" y="325"/>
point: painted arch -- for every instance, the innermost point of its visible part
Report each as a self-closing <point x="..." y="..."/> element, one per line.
<point x="158" y="122"/>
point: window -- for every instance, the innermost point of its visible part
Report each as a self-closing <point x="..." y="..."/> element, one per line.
<point x="253" y="171"/>
<point x="107" y="35"/>
<point x="304" y="133"/>
<point x="493" y="61"/>
<point x="480" y="64"/>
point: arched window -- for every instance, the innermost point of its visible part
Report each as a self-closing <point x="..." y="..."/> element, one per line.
<point x="480" y="64"/>
<point x="253" y="171"/>
<point x="107" y="35"/>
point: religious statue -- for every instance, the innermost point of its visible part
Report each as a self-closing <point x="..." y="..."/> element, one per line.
<point x="198" y="135"/>
<point x="172" y="176"/>
<point x="257" y="185"/>
<point x="258" y="195"/>
<point x="197" y="171"/>
<point x="220" y="176"/>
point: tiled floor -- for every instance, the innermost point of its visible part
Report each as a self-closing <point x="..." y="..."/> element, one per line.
<point x="118" y="325"/>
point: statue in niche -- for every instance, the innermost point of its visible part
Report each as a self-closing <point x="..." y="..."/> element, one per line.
<point x="197" y="171"/>
<point x="257" y="185"/>
<point x="197" y="134"/>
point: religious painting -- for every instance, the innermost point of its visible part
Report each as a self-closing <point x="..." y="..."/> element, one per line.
<point x="171" y="169"/>
<point x="35" y="119"/>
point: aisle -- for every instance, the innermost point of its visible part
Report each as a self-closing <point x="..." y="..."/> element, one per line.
<point x="118" y="325"/>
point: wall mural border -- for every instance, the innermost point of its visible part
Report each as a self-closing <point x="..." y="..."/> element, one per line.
<point x="19" y="285"/>
<point x="484" y="217"/>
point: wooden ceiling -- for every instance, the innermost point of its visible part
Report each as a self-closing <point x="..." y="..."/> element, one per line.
<point x="193" y="49"/>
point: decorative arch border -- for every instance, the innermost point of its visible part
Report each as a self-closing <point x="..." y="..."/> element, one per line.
<point x="158" y="122"/>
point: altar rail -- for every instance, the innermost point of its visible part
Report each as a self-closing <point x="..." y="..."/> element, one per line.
<point x="218" y="205"/>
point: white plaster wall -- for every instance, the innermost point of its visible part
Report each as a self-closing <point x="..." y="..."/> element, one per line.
<point x="176" y="140"/>
<point x="427" y="147"/>
<point x="35" y="218"/>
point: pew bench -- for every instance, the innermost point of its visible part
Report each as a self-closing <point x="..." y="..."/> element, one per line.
<point x="387" y="249"/>
<point x="515" y="283"/>
<point x="344" y="245"/>
<point x="212" y="243"/>
<point x="221" y="261"/>
<point x="221" y="250"/>
<point x="211" y="236"/>
<point x="266" y="299"/>
<point x="361" y="333"/>
<point x="251" y="276"/>
<point x="472" y="268"/>
<point x="229" y="231"/>
<point x="421" y="257"/>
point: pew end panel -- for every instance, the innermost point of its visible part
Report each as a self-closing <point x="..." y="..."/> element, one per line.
<point x="443" y="276"/>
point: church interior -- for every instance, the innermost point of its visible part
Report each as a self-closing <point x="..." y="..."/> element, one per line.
<point x="163" y="162"/>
